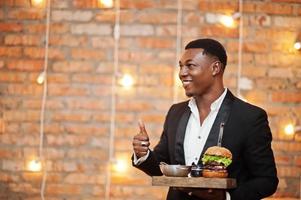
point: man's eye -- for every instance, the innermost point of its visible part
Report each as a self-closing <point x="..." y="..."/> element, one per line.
<point x="190" y="65"/>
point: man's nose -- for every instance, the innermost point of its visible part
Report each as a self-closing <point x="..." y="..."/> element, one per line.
<point x="183" y="71"/>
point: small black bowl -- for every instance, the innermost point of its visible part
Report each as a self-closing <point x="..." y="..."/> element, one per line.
<point x="196" y="171"/>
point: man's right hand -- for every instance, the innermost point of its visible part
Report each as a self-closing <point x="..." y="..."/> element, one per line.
<point x="141" y="141"/>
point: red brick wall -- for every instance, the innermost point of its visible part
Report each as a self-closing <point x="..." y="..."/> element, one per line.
<point x="78" y="108"/>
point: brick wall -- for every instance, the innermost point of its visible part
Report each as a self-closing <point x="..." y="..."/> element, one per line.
<point x="78" y="108"/>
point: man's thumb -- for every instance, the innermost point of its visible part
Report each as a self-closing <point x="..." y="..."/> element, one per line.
<point x="142" y="127"/>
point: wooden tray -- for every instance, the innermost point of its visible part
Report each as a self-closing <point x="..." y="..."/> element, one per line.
<point x="195" y="182"/>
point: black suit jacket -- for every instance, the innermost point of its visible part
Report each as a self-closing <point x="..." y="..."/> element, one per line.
<point x="246" y="134"/>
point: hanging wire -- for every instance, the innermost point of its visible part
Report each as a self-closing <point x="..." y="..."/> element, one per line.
<point x="178" y="49"/>
<point x="240" y="44"/>
<point x="113" y="98"/>
<point x="44" y="97"/>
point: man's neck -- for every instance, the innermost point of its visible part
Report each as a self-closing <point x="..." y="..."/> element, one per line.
<point x="204" y="102"/>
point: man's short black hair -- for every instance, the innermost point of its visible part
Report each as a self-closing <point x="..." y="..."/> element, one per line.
<point x="211" y="47"/>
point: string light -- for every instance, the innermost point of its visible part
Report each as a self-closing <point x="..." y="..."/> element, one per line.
<point x="229" y="20"/>
<point x="34" y="165"/>
<point x="126" y="81"/>
<point x="37" y="3"/>
<point x="105" y="3"/>
<point x="240" y="44"/>
<point x="178" y="51"/>
<point x="41" y="78"/>
<point x="120" y="166"/>
<point x="297" y="45"/>
<point x="289" y="129"/>
<point x="113" y="100"/>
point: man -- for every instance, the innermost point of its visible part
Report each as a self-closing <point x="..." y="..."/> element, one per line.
<point x="192" y="126"/>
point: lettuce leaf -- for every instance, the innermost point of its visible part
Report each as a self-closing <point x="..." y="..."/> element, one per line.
<point x="225" y="161"/>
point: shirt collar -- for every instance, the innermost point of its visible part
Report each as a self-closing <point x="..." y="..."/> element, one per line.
<point x="214" y="105"/>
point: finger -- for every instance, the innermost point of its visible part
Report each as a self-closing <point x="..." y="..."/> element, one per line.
<point x="141" y="154"/>
<point x="140" y="137"/>
<point x="139" y="143"/>
<point x="140" y="151"/>
<point x="142" y="127"/>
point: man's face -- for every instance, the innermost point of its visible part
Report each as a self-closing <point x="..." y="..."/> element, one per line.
<point x="196" y="72"/>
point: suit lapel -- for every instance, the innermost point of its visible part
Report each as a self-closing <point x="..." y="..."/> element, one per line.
<point x="180" y="134"/>
<point x="222" y="116"/>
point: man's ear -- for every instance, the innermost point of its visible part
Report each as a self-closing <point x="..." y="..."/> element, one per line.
<point x="216" y="68"/>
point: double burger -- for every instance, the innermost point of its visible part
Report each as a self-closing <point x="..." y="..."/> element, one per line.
<point x="216" y="159"/>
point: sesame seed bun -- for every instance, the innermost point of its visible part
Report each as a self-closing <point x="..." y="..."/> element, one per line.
<point x="219" y="151"/>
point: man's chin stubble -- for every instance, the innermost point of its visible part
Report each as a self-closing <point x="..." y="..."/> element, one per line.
<point x="189" y="95"/>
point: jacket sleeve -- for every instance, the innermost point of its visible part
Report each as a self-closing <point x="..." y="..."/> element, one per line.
<point x="260" y="162"/>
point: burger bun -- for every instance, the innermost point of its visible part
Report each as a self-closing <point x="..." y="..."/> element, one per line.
<point x="215" y="174"/>
<point x="219" y="151"/>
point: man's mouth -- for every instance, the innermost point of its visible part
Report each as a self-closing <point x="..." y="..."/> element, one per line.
<point x="186" y="82"/>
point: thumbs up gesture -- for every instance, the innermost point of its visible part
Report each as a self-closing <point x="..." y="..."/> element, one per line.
<point x="141" y="141"/>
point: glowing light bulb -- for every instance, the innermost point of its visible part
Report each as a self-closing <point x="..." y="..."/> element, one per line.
<point x="127" y="80"/>
<point x="289" y="129"/>
<point x="297" y="45"/>
<point x="41" y="78"/>
<point x="120" y="166"/>
<point x="34" y="165"/>
<point x="105" y="3"/>
<point x="37" y="3"/>
<point x="227" y="21"/>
